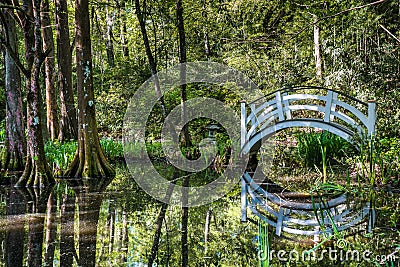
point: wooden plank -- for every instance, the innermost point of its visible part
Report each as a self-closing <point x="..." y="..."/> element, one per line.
<point x="261" y="120"/>
<point x="307" y="107"/>
<point x="296" y="97"/>
<point x="353" y="110"/>
<point x="267" y="104"/>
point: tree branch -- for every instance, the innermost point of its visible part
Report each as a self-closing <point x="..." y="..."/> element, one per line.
<point x="45" y="54"/>
<point x="337" y="14"/>
<point x="12" y="7"/>
<point x="391" y="34"/>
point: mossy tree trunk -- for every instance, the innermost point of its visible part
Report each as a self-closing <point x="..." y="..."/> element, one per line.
<point x="14" y="153"/>
<point x="89" y="160"/>
<point x="37" y="172"/>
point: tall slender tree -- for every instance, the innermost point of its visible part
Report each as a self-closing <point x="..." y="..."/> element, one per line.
<point x="153" y="69"/>
<point x="68" y="120"/>
<point x="15" y="143"/>
<point x="317" y="48"/>
<point x="185" y="142"/>
<point x="123" y="34"/>
<point x="51" y="99"/>
<point x="89" y="160"/>
<point x="37" y="172"/>
<point x="110" y="36"/>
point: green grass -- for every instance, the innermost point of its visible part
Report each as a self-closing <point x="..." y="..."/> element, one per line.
<point x="320" y="148"/>
<point x="59" y="155"/>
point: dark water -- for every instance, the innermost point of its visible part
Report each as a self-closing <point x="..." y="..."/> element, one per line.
<point x="111" y="223"/>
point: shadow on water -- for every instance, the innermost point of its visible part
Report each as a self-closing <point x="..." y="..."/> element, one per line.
<point x="32" y="216"/>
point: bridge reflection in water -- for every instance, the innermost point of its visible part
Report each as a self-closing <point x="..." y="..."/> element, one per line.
<point x="312" y="107"/>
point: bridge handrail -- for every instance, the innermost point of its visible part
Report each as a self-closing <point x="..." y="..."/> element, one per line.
<point x="306" y="87"/>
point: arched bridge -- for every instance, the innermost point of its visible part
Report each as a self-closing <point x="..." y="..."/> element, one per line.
<point x="321" y="108"/>
<point x="314" y="107"/>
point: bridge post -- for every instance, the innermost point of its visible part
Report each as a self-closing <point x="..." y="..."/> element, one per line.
<point x="286" y="106"/>
<point x="279" y="106"/>
<point x="243" y="199"/>
<point x="243" y="119"/>
<point x="371" y="117"/>
<point x="329" y="107"/>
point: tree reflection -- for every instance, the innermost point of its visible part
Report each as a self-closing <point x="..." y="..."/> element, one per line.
<point x="15" y="208"/>
<point x="33" y="216"/>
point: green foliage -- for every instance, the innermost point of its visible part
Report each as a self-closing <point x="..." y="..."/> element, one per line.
<point x="60" y="155"/>
<point x="388" y="159"/>
<point x="312" y="147"/>
<point x="2" y="134"/>
<point x="113" y="150"/>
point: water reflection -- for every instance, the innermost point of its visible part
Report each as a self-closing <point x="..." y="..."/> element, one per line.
<point x="90" y="225"/>
<point x="31" y="219"/>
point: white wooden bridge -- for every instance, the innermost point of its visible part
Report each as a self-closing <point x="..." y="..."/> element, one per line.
<point x="313" y="107"/>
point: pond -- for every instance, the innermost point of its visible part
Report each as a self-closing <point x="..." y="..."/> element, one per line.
<point x="112" y="223"/>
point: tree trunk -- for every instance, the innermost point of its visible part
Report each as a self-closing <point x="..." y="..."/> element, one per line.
<point x="38" y="200"/>
<point x="109" y="42"/>
<point x="124" y="238"/>
<point x="15" y="205"/>
<point x="37" y="172"/>
<point x="67" y="243"/>
<point x="150" y="57"/>
<point x="68" y="120"/>
<point x="124" y="42"/>
<point x="207" y="231"/>
<point x="159" y="222"/>
<point x="153" y="69"/>
<point x="51" y="230"/>
<point x="185" y="141"/>
<point x="89" y="160"/>
<point x="317" y="49"/>
<point x="51" y="100"/>
<point x="185" y="220"/>
<point x="205" y="31"/>
<point x="89" y="210"/>
<point x="111" y="227"/>
<point x="15" y="144"/>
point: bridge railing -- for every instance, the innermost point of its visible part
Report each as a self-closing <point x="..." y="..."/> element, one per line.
<point x="315" y="107"/>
